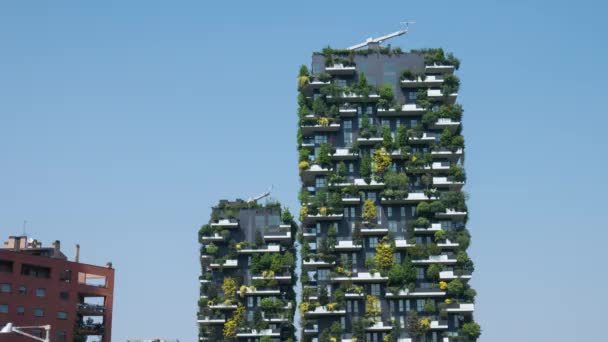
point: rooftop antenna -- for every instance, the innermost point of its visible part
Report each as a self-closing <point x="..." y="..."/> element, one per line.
<point x="383" y="38"/>
<point x="260" y="196"/>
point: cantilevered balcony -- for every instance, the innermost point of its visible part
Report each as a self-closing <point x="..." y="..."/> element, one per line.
<point x="281" y="278"/>
<point x="324" y="311"/>
<point x="438" y="325"/>
<point x="230" y="263"/>
<point x="379" y="326"/>
<point x="310" y="219"/>
<point x="347" y="245"/>
<point x="428" y="81"/>
<point x="341" y="69"/>
<point x="347" y="112"/>
<point x="447" y="154"/>
<point x="311" y="129"/>
<point x="225" y="223"/>
<point x="311" y="329"/>
<point x="452" y="214"/>
<point x="361" y="277"/>
<point x="436" y="94"/>
<point x="309" y="175"/>
<point x="412" y="197"/>
<point x="369" y="141"/>
<point x="437" y="68"/>
<point x="360" y="184"/>
<point x="246" y="333"/>
<point x="354" y="97"/>
<point x="209" y="320"/>
<point x="282" y="234"/>
<point x="436" y="259"/>
<point x="447" y="244"/>
<point x="443" y="123"/>
<point x="447" y="182"/>
<point x="90" y="309"/>
<point x="312" y="264"/>
<point x="351" y="200"/>
<point x="265" y="249"/>
<point x="402" y="244"/>
<point x="460" y="308"/>
<point x="409" y="109"/>
<point x="223" y="306"/>
<point x="251" y="291"/>
<point x="417" y="293"/>
<point x="309" y="233"/>
<point x="344" y="154"/>
<point x="451" y="275"/>
<point x="374" y="231"/>
<point x="212" y="238"/>
<point x="435" y="227"/>
<point x="426" y="138"/>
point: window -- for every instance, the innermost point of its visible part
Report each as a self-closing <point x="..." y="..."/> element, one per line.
<point x="355" y="307"/>
<point x="260" y="220"/>
<point x="38" y="312"/>
<point x="341" y="83"/>
<point x="389" y="67"/>
<point x="343" y="322"/>
<point x="376" y="289"/>
<point x="413" y="211"/>
<point x="323" y="274"/>
<point x="6" y="266"/>
<point x="419" y="304"/>
<point x="320" y="139"/>
<point x="317" y="68"/>
<point x="407" y="305"/>
<point x="397" y="257"/>
<point x="349" y="306"/>
<point x="372" y="196"/>
<point x="419" y="273"/>
<point x="40" y="292"/>
<point x="391" y="305"/>
<point x="402" y="211"/>
<point x="351" y="167"/>
<point x="320" y="182"/>
<point x="63" y="295"/>
<point x="401" y="305"/>
<point x="386" y="123"/>
<point x="392" y="226"/>
<point x="61" y="336"/>
<point x="414" y="123"/>
<point x="348" y="132"/>
<point x="250" y="302"/>
<point x="22" y="289"/>
<point x="35" y="271"/>
<point x="352" y="212"/>
<point x="274" y="220"/>
<point x="3" y="308"/>
<point x="373" y="242"/>
<point x="62" y="315"/>
<point x="5" y="288"/>
<point x="20" y="310"/>
<point x="411" y="95"/>
<point x="389" y="212"/>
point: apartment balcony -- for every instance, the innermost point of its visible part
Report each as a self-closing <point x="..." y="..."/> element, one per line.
<point x="436" y="68"/>
<point x="410" y="109"/>
<point x="354" y="295"/>
<point x="379" y="327"/>
<point x="324" y="311"/>
<point x="436" y="259"/>
<point x="312" y="129"/>
<point x="369" y="141"/>
<point x="436" y="94"/>
<point x="344" y="154"/>
<point x="283" y="234"/>
<point x="361" y="277"/>
<point x="435" y="227"/>
<point x="439" y="325"/>
<point x="341" y="69"/>
<point x="225" y="223"/>
<point x="259" y="333"/>
<point x="315" y="84"/>
<point x="351" y="200"/>
<point x="230" y="263"/>
<point x="428" y="81"/>
<point x="355" y="97"/>
<point x="309" y="233"/>
<point x="447" y="154"/>
<point x="443" y="123"/>
<point x="446" y="182"/>
<point x="460" y="308"/>
<point x="281" y="278"/>
<point x="347" y="112"/>
<point x="447" y="244"/>
<point x="223" y="306"/>
<point x="367" y="231"/>
<point x="212" y="238"/>
<point x="412" y="197"/>
<point x="210" y="320"/>
<point x="91" y="328"/>
<point x="347" y="245"/>
<point x="309" y="175"/>
<point x="417" y="293"/>
<point x="265" y="249"/>
<point x="452" y="214"/>
<point x="260" y="292"/>
<point x="450" y="275"/>
<point x="440" y="166"/>
<point x="90" y="309"/>
<point x="402" y="244"/>
<point x="314" y="264"/>
<point x="360" y="184"/>
<point x="426" y="138"/>
<point x="311" y="329"/>
<point x="310" y="219"/>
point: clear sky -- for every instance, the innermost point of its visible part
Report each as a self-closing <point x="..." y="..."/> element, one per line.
<point x="121" y="123"/>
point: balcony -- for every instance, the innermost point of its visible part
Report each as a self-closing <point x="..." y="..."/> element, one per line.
<point x="443" y="69"/>
<point x="374" y="231"/>
<point x="443" y="123"/>
<point x="409" y="109"/>
<point x="446" y="182"/>
<point x="260" y="292"/>
<point x="309" y="233"/>
<point x="313" y="264"/>
<point x="324" y="311"/>
<point x="311" y="329"/>
<point x="266" y="249"/>
<point x="230" y="263"/>
<point x="436" y="94"/>
<point x="259" y="333"/>
<point x="452" y="214"/>
<point x="340" y="69"/>
<point x="428" y="230"/>
<point x="438" y="325"/>
<point x="223" y="306"/>
<point x="351" y="200"/>
<point x="426" y="138"/>
<point x="355" y="97"/>
<point x="213" y="238"/>
<point x="379" y="326"/>
<point x="447" y="244"/>
<point x="90" y="328"/>
<point x="281" y="278"/>
<point x="344" y="154"/>
<point x="308" y="175"/>
<point x="460" y="308"/>
<point x="309" y="130"/>
<point x="360" y="184"/>
<point x="450" y="275"/>
<point x="417" y="293"/>
<point x="90" y="309"/>
<point x="369" y="141"/>
<point x="402" y="244"/>
<point x="347" y="112"/>
<point x="412" y="197"/>
<point x="447" y="154"/>
<point x="429" y="81"/>
<point x="347" y="245"/>
<point x="309" y="219"/>
<point x="440" y="166"/>
<point x="362" y="277"/>
<point x="225" y="223"/>
<point x="436" y="259"/>
<point x="283" y="234"/>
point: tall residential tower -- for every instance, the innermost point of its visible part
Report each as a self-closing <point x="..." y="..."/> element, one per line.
<point x="247" y="280"/>
<point x="383" y="216"/>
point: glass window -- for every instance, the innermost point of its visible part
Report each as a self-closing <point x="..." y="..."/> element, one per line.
<point x="345" y="212"/>
<point x="317" y="68"/>
<point x="320" y="182"/>
<point x="63" y="295"/>
<point x="407" y="305"/>
<point x="348" y="132"/>
<point x="414" y="123"/>
<point x="353" y="212"/>
<point x="343" y="322"/>
<point x="372" y="196"/>
<point x="376" y="289"/>
<point x="349" y="306"/>
<point x="397" y="257"/>
<point x="389" y="67"/>
<point x="419" y="273"/>
<point x="22" y="289"/>
<point x="260" y="220"/>
<point x="355" y="307"/>
<point x="341" y="83"/>
<point x="392" y="226"/>
<point x="386" y="123"/>
<point x="320" y="139"/>
<point x="274" y="220"/>
<point x="419" y="304"/>
<point x="323" y="274"/>
<point x="373" y="242"/>
<point x="62" y="315"/>
<point x="390" y="79"/>
<point x="401" y="305"/>
<point x="20" y="310"/>
<point x="61" y="336"/>
<point x="3" y="308"/>
<point x="389" y="212"/>
<point x="5" y="288"/>
<point x="351" y="167"/>
<point x="402" y="212"/>
<point x="391" y="306"/>
<point x="411" y="95"/>
<point x="40" y="292"/>
<point x="38" y="312"/>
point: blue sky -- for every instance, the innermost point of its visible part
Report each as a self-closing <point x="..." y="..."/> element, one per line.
<point x="122" y="123"/>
